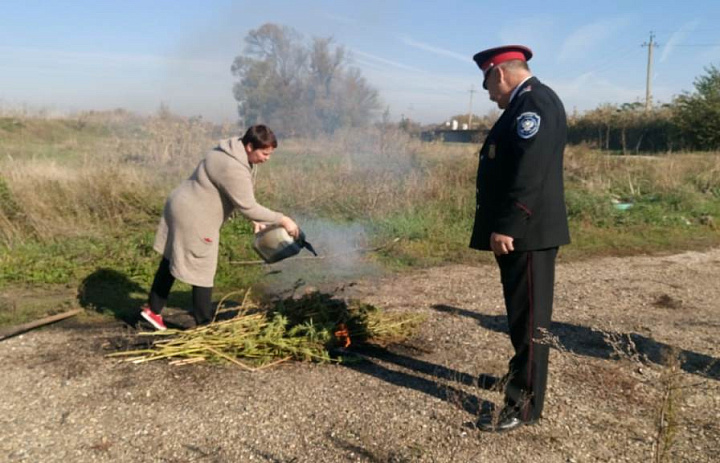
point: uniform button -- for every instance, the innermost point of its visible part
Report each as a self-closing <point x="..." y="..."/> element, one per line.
<point x="478" y="208"/>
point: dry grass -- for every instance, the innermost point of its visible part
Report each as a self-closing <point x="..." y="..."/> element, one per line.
<point x="46" y="200"/>
<point x="637" y="175"/>
<point x="69" y="176"/>
<point x="370" y="174"/>
<point x="98" y="171"/>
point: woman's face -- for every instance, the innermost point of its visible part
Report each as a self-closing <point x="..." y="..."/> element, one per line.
<point x="258" y="156"/>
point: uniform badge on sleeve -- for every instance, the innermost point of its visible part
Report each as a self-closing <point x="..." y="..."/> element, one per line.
<point x="528" y="125"/>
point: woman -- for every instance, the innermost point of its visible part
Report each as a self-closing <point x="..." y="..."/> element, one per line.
<point x="189" y="230"/>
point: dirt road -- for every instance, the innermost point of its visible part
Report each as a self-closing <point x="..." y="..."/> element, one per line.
<point x="616" y="320"/>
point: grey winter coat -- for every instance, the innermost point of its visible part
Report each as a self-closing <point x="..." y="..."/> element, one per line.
<point x="189" y="230"/>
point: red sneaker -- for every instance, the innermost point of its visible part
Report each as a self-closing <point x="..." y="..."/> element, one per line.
<point x="153" y="318"/>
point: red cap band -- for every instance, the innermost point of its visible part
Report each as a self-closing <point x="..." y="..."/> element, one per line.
<point x="501" y="58"/>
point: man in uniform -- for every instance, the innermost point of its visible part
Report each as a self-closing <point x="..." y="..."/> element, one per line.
<point x="521" y="217"/>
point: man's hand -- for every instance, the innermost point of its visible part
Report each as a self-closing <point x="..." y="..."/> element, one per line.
<point x="501" y="244"/>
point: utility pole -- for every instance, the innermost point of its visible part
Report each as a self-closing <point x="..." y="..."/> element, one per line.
<point x="472" y="90"/>
<point x="648" y="82"/>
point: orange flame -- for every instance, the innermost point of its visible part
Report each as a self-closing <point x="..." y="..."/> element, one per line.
<point x="343" y="335"/>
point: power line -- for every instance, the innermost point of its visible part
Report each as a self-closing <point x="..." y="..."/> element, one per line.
<point x="698" y="45"/>
<point x="610" y="59"/>
<point x="672" y="31"/>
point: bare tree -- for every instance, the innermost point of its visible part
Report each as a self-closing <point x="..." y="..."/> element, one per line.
<point x="325" y="63"/>
<point x="298" y="87"/>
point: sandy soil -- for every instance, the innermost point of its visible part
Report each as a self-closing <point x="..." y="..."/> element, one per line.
<point x="620" y="326"/>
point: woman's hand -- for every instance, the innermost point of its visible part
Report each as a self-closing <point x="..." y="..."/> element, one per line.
<point x="258" y="227"/>
<point x="290" y="226"/>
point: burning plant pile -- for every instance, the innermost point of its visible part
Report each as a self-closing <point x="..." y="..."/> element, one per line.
<point x="304" y="329"/>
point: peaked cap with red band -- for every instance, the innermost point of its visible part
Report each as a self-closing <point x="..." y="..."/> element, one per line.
<point x="488" y="59"/>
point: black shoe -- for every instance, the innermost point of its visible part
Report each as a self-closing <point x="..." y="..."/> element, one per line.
<point x="507" y="420"/>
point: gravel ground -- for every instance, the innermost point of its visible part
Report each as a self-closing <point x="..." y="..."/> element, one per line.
<point x="616" y="319"/>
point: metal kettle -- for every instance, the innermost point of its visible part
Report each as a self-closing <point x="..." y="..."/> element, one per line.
<point x="274" y="244"/>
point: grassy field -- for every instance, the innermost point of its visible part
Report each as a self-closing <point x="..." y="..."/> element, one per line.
<point x="80" y="199"/>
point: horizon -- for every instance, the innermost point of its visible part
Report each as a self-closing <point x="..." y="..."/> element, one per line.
<point x="85" y="56"/>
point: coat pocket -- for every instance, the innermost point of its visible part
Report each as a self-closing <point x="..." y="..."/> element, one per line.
<point x="202" y="245"/>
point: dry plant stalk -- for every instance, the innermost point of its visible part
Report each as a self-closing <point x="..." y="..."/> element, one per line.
<point x="302" y="329"/>
<point x="667" y="420"/>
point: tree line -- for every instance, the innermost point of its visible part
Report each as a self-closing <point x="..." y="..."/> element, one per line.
<point x="690" y="122"/>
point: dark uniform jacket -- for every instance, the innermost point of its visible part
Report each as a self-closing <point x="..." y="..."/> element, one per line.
<point x="520" y="175"/>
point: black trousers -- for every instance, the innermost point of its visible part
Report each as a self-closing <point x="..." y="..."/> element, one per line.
<point x="528" y="278"/>
<point x="162" y="283"/>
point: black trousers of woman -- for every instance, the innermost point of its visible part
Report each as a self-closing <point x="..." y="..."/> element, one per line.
<point x="528" y="278"/>
<point x="201" y="296"/>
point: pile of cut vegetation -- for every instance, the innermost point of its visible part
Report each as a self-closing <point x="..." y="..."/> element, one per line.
<point x="304" y="329"/>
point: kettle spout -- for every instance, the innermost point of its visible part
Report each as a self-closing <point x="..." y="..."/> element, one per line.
<point x="309" y="247"/>
<point x="302" y="242"/>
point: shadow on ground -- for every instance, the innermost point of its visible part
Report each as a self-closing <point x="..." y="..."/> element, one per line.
<point x="585" y="341"/>
<point x="371" y="357"/>
<point x="109" y="291"/>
